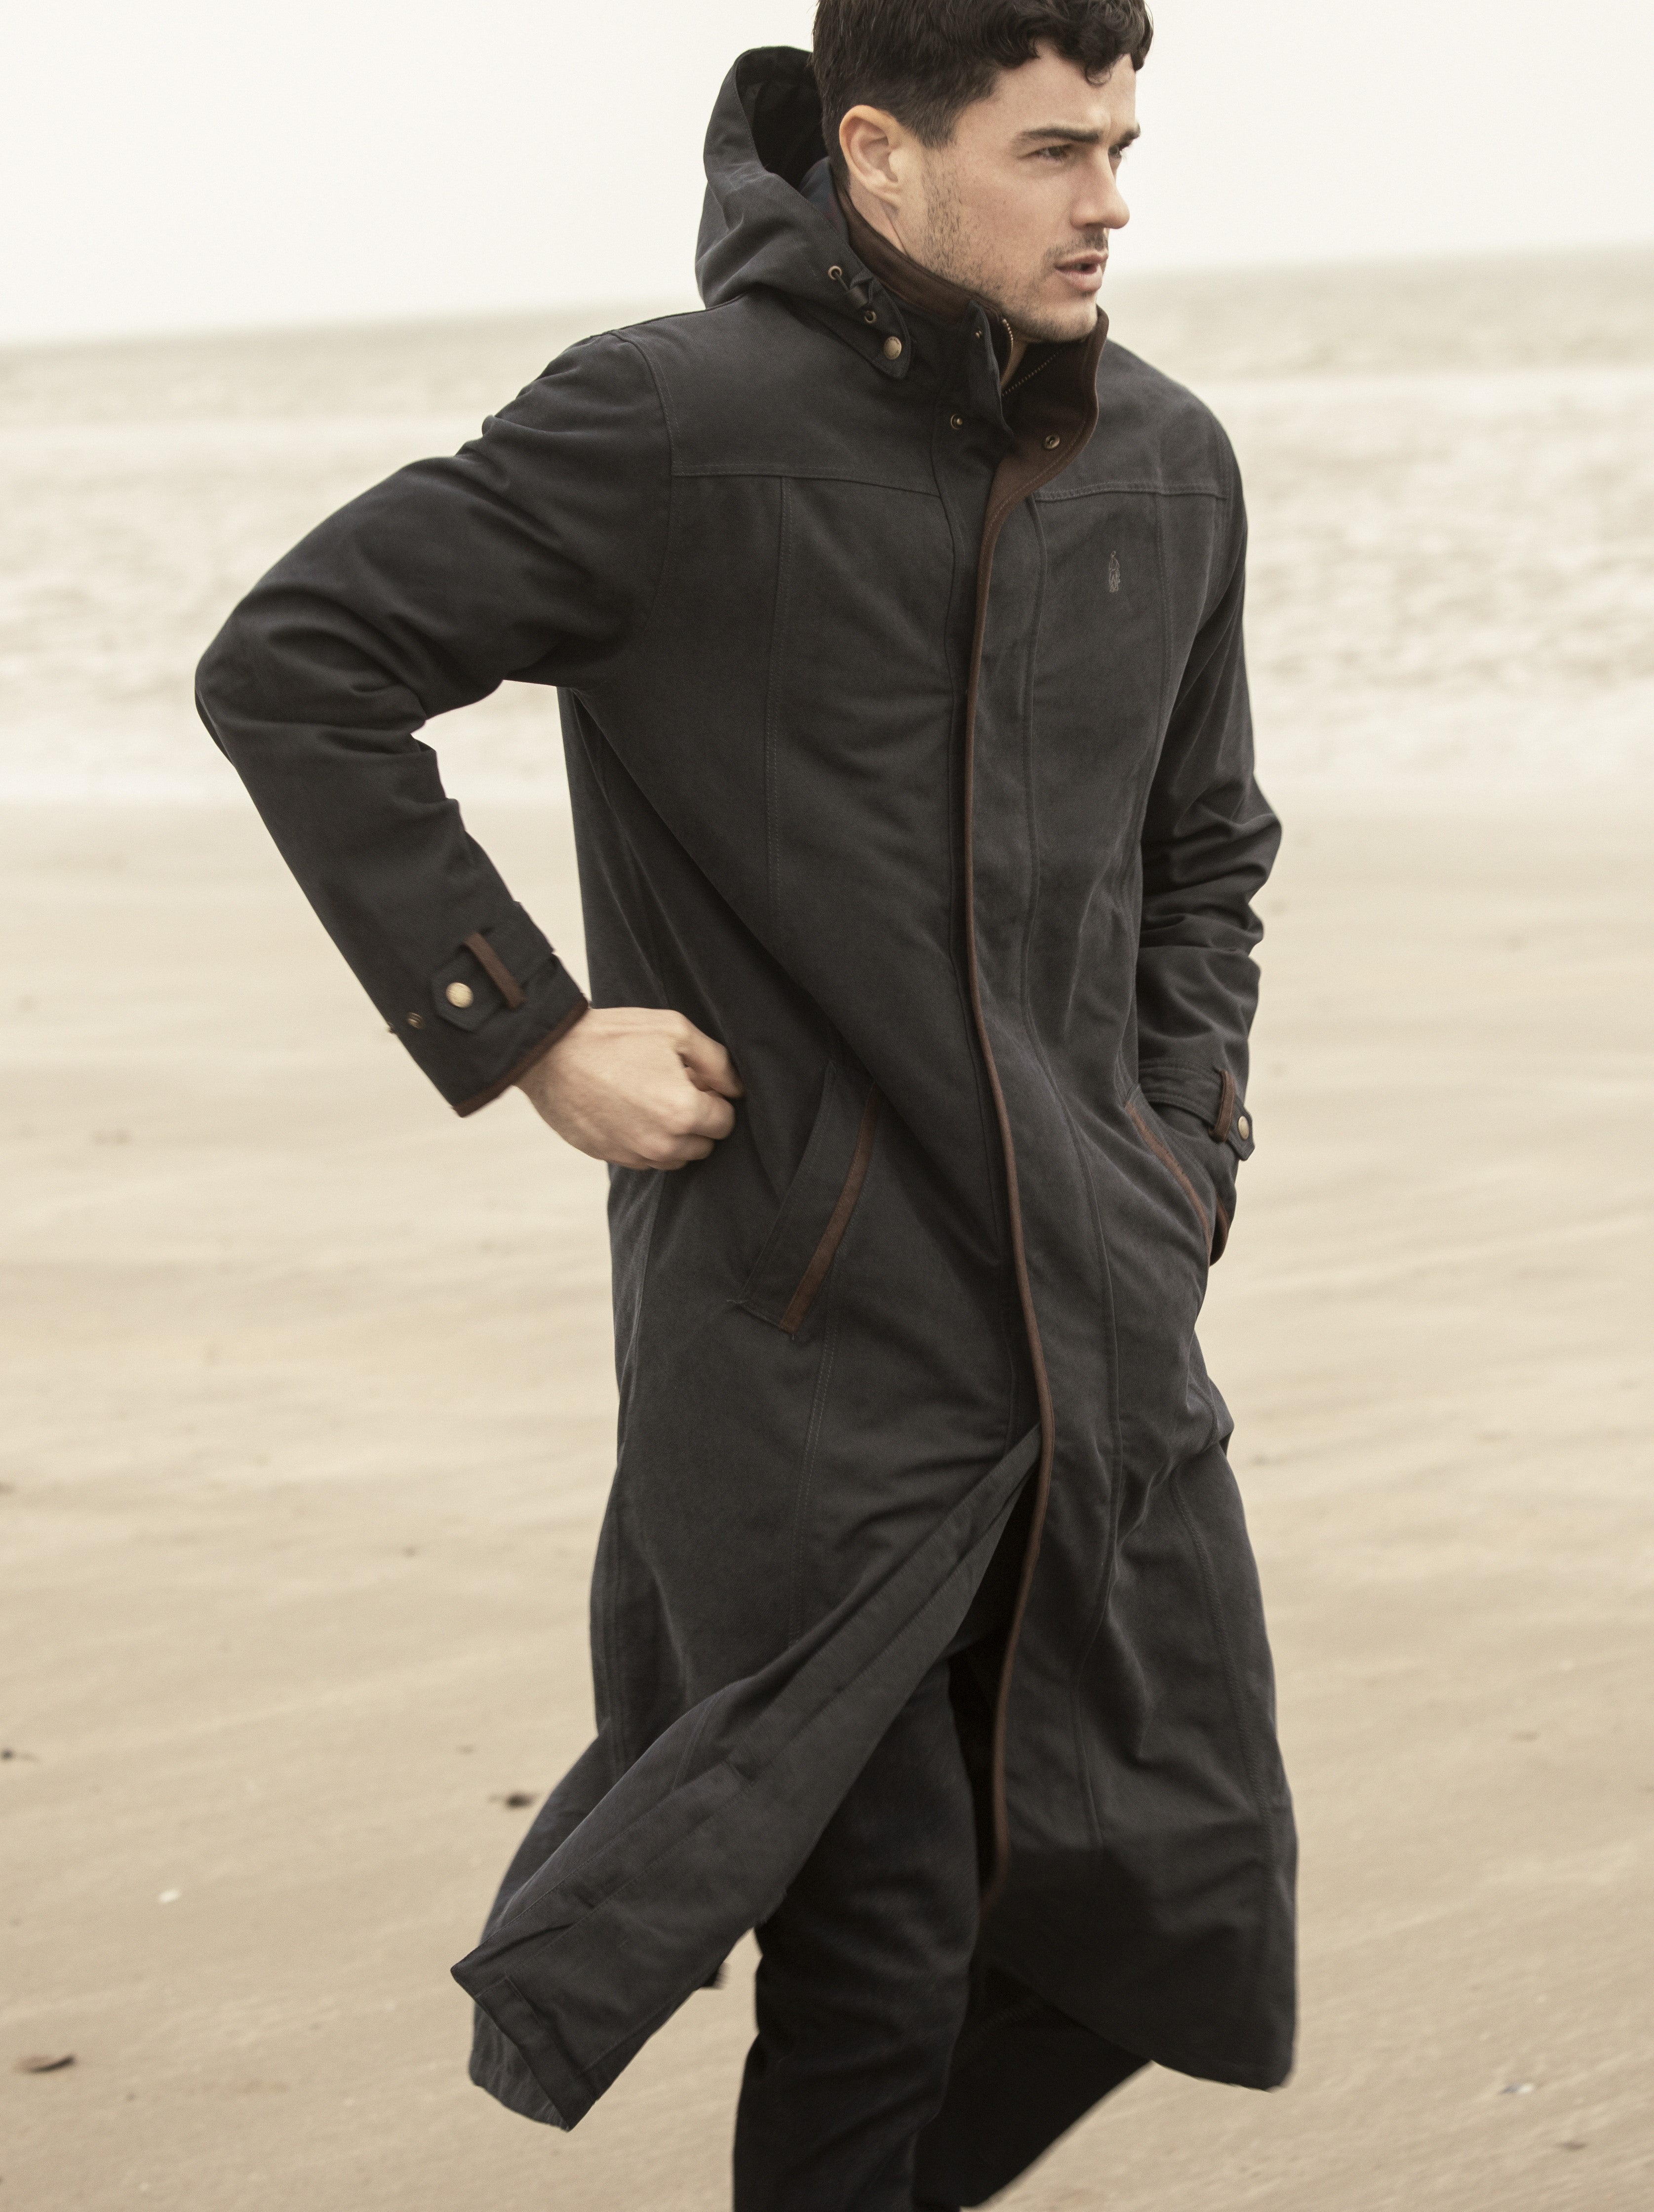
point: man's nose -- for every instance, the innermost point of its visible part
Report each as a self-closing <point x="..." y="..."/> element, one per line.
<point x="1101" y="206"/>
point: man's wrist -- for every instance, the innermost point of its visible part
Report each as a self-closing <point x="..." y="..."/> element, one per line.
<point x="547" y="1044"/>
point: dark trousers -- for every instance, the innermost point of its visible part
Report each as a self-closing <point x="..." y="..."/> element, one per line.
<point x="888" y="2072"/>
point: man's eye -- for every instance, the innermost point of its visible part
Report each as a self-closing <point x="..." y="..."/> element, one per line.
<point x="1054" y="153"/>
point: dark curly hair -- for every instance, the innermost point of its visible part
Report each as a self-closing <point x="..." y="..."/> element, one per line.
<point x="923" y="61"/>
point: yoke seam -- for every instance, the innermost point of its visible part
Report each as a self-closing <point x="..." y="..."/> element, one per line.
<point x="1133" y="484"/>
<point x="693" y="468"/>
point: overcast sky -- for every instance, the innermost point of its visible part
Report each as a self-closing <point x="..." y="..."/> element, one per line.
<point x="189" y="164"/>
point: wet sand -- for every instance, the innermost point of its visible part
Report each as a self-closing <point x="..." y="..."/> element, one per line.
<point x="308" y="1433"/>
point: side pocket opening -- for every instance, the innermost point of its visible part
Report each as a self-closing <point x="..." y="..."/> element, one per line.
<point x="1163" y="1152"/>
<point x="816" y="1212"/>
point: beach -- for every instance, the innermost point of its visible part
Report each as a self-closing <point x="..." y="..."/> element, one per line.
<point x="309" y="1402"/>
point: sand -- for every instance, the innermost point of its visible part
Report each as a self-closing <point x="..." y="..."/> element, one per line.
<point x="307" y="1440"/>
<point x="307" y="1403"/>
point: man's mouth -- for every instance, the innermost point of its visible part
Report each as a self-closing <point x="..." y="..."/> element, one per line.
<point x="1084" y="271"/>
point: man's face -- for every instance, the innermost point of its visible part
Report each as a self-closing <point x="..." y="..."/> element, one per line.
<point x="1017" y="206"/>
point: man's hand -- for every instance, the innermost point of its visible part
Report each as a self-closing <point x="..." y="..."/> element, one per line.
<point x="637" y="1087"/>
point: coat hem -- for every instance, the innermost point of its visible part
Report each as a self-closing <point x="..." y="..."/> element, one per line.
<point x="598" y="1914"/>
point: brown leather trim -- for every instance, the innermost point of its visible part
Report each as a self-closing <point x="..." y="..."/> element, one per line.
<point x="495" y="970"/>
<point x="838" y="1221"/>
<point x="1226" y="1116"/>
<point x="1066" y="405"/>
<point x="542" y="1046"/>
<point x="1163" y="1152"/>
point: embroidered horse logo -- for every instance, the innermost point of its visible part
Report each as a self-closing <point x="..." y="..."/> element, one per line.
<point x="1114" y="572"/>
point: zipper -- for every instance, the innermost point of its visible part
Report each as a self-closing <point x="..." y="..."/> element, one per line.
<point x="1028" y="375"/>
<point x="999" y="1871"/>
<point x="998" y="509"/>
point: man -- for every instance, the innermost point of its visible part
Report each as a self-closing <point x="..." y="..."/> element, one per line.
<point x="898" y="625"/>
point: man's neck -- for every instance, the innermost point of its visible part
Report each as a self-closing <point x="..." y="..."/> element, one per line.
<point x="879" y="219"/>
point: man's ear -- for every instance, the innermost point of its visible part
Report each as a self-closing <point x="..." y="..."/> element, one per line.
<point x="878" y="154"/>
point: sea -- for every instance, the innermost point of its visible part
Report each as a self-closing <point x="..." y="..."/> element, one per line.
<point x="1450" y="474"/>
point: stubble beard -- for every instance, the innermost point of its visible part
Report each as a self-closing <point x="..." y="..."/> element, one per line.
<point x="949" y="247"/>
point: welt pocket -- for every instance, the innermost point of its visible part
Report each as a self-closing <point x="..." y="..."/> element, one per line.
<point x="1145" y="1122"/>
<point x="819" y="1202"/>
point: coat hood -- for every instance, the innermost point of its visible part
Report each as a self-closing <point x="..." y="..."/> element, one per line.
<point x="758" y="232"/>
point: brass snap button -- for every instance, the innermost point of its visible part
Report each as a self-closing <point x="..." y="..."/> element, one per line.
<point x="956" y="421"/>
<point x="892" y="348"/>
<point x="1052" y="442"/>
<point x="1244" y="1128"/>
<point x="459" y="994"/>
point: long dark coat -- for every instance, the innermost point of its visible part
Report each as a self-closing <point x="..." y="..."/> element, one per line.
<point x="908" y="736"/>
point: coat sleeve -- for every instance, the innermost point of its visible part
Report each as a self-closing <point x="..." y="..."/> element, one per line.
<point x="533" y="552"/>
<point x="1209" y="841"/>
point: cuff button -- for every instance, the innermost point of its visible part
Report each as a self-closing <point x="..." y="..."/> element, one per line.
<point x="459" y="994"/>
<point x="1244" y="1128"/>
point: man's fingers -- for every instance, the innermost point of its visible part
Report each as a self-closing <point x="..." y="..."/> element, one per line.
<point x="700" y="1114"/>
<point x="690" y="1148"/>
<point x="638" y="1087"/>
<point x="686" y="1127"/>
<point x="710" y="1067"/>
<point x="715" y="1116"/>
<point x="670" y="1153"/>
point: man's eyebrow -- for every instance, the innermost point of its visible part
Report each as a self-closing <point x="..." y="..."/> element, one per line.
<point x="1075" y="136"/>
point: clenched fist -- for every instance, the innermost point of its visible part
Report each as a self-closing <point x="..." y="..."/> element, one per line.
<point x="637" y="1087"/>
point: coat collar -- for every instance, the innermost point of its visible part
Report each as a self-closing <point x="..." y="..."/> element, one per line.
<point x="1066" y="402"/>
<point x="759" y="231"/>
